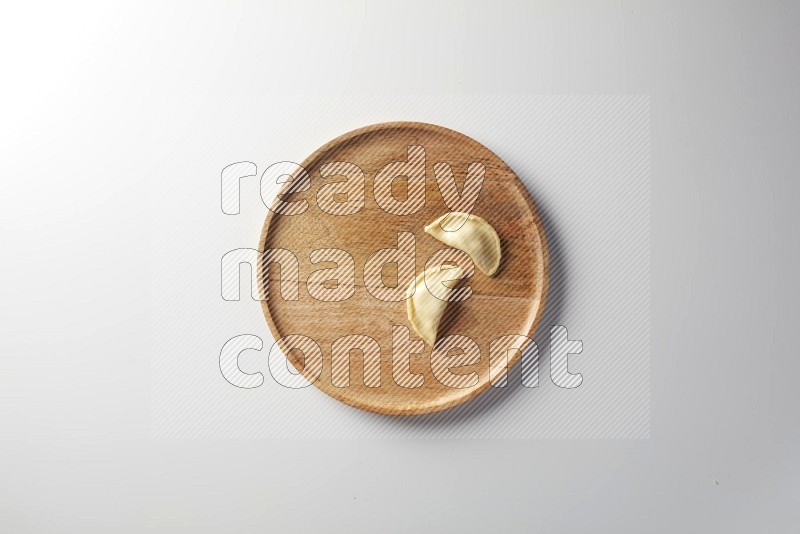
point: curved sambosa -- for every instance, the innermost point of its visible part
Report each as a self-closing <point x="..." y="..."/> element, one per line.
<point x="469" y="233"/>
<point x="427" y="298"/>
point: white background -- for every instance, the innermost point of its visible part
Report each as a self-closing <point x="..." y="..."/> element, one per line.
<point x="100" y="103"/>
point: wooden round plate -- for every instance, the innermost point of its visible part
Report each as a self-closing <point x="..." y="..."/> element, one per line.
<point x="510" y="302"/>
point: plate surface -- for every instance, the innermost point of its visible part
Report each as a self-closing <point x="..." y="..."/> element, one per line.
<point x="510" y="302"/>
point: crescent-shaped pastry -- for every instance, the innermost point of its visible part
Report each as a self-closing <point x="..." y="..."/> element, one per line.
<point x="469" y="233"/>
<point x="427" y="298"/>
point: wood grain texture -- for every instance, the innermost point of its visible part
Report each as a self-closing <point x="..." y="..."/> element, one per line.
<point x="510" y="302"/>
